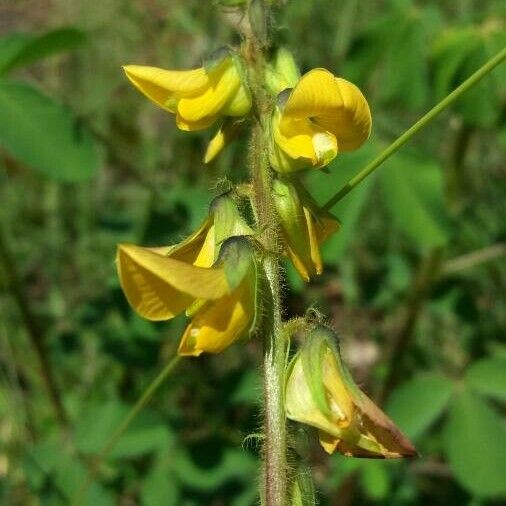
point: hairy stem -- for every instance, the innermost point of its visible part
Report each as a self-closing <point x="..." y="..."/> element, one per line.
<point x="274" y="479"/>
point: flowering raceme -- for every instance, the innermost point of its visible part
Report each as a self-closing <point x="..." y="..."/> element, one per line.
<point x="320" y="117"/>
<point x="197" y="97"/>
<point x="211" y="275"/>
<point x="321" y="392"/>
<point x="304" y="226"/>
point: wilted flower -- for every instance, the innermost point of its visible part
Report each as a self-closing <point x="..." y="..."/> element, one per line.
<point x="321" y="392"/>
<point x="321" y="116"/>
<point x="304" y="226"/>
<point x="211" y="275"/>
<point x="198" y="97"/>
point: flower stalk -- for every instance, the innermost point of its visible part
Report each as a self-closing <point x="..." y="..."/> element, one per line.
<point x="413" y="130"/>
<point x="274" y="479"/>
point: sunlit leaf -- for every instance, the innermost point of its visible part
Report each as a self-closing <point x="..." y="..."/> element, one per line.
<point x="29" y="48"/>
<point x="475" y="444"/>
<point x="44" y="135"/>
<point x="417" y="403"/>
<point x="413" y="194"/>
<point x="488" y="376"/>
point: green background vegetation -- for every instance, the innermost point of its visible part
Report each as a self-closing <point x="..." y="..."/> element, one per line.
<point x="414" y="282"/>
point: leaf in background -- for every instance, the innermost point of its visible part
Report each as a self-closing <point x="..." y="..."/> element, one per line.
<point x="394" y="51"/>
<point x="416" y="404"/>
<point x="23" y="49"/>
<point x="231" y="464"/>
<point x="160" y="487"/>
<point x="475" y="444"/>
<point x="69" y="477"/>
<point x="413" y="194"/>
<point x="457" y="53"/>
<point x="44" y="135"/>
<point x="322" y="186"/>
<point x="375" y="479"/>
<point x="96" y="426"/>
<point x="10" y="46"/>
<point x="488" y="377"/>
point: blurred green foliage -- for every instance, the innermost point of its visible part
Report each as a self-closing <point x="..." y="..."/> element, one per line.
<point x="86" y="162"/>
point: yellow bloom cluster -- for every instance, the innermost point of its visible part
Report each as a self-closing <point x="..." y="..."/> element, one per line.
<point x="213" y="275"/>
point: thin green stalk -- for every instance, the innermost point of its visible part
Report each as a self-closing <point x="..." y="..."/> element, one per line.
<point x="122" y="427"/>
<point x="421" y="123"/>
<point x="274" y="480"/>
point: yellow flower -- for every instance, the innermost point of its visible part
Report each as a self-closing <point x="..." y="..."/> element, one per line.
<point x="304" y="226"/>
<point x="210" y="275"/>
<point x="198" y="97"/>
<point x="321" y="116"/>
<point x="321" y="392"/>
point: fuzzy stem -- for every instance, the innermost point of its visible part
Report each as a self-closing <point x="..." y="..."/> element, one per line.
<point x="421" y="123"/>
<point x="274" y="479"/>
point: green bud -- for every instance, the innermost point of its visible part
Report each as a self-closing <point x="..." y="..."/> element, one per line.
<point x="320" y="392"/>
<point x="228" y="222"/>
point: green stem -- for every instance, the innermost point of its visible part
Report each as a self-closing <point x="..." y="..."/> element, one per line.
<point x="80" y="496"/>
<point x="421" y="123"/>
<point x="274" y="480"/>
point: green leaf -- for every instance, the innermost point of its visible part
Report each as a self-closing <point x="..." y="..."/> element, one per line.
<point x="44" y="135"/>
<point x="10" y="47"/>
<point x="94" y="429"/>
<point x="413" y="195"/>
<point x="375" y="479"/>
<point x="230" y="464"/>
<point x="323" y="186"/>
<point x="69" y="477"/>
<point x="488" y="377"/>
<point x="35" y="48"/>
<point x="416" y="404"/>
<point x="475" y="444"/>
<point x="457" y="53"/>
<point x="160" y="487"/>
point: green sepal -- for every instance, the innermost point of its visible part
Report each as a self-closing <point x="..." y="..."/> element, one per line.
<point x="236" y="258"/>
<point x="291" y="213"/>
<point x="228" y="222"/>
<point x="312" y="354"/>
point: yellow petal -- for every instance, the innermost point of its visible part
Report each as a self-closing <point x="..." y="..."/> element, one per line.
<point x="207" y="252"/>
<point x="153" y="281"/>
<point x="223" y="84"/>
<point x="314" y="245"/>
<point x="148" y="294"/>
<point x="189" y="250"/>
<point x="303" y="141"/>
<point x="334" y="104"/>
<point x="224" y="136"/>
<point x="191" y="126"/>
<point x="218" y="324"/>
<point x="162" y="86"/>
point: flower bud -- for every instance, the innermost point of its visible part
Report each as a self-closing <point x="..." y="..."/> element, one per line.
<point x="282" y="72"/>
<point x="321" y="392"/>
<point x="304" y="226"/>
